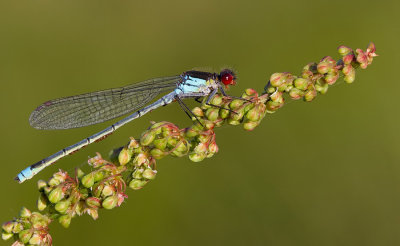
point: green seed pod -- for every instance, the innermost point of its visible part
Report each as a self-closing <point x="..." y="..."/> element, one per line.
<point x="65" y="220"/>
<point x="160" y="143"/>
<point x="41" y="184"/>
<point x="56" y="195"/>
<point x="107" y="191"/>
<point x="233" y="122"/>
<point x="156" y="128"/>
<point x="147" y="138"/>
<point x="182" y="146"/>
<point x="36" y="239"/>
<point x="331" y="77"/>
<point x="5" y="236"/>
<point x="196" y="157"/>
<point x="137" y="184"/>
<point x="250" y="125"/>
<point x="321" y="87"/>
<point x="239" y="114"/>
<point x="236" y="103"/>
<point x="349" y="78"/>
<point x="125" y="156"/>
<point x="178" y="153"/>
<point x="216" y="100"/>
<point x="224" y="113"/>
<point x="166" y="132"/>
<point x="137" y="174"/>
<point x="190" y="133"/>
<point x="310" y="95"/>
<point x="172" y="142"/>
<point x="79" y="173"/>
<point x="54" y="181"/>
<point x="344" y="50"/>
<point x="93" y="202"/>
<point x="149" y="174"/>
<point x="98" y="175"/>
<point x="25" y="235"/>
<point x="97" y="189"/>
<point x="253" y="114"/>
<point x="88" y="180"/>
<point x="25" y="213"/>
<point x="301" y="83"/>
<point x="110" y="202"/>
<point x="62" y="206"/>
<point x="212" y="114"/>
<point x="198" y="112"/>
<point x="157" y="153"/>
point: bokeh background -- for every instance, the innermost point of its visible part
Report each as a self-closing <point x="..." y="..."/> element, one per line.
<point x="320" y="173"/>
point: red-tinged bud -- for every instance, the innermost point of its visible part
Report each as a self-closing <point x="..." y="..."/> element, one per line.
<point x="137" y="184"/>
<point x="250" y="125"/>
<point x="310" y="95"/>
<point x="96" y="161"/>
<point x="25" y="213"/>
<point x="296" y="93"/>
<point x="36" y="239"/>
<point x="348" y="59"/>
<point x="306" y="74"/>
<point x="200" y="148"/>
<point x="197" y="157"/>
<point x="198" y="112"/>
<point x="65" y="220"/>
<point x="216" y="100"/>
<point x="331" y="77"/>
<point x="98" y="175"/>
<point x="9" y="226"/>
<point x="125" y="156"/>
<point x="6" y="236"/>
<point x="348" y="69"/>
<point x="209" y="125"/>
<point x="212" y="114"/>
<point x="277" y="79"/>
<point x="157" y="153"/>
<point x="62" y="206"/>
<point x="93" y="202"/>
<point x="344" y="50"/>
<point x="362" y="58"/>
<point x="166" y="132"/>
<point x="56" y="195"/>
<point x="25" y="235"/>
<point x="251" y="92"/>
<point x="88" y="180"/>
<point x="213" y="147"/>
<point x="149" y="174"/>
<point x="301" y="83"/>
<point x="147" y="138"/>
<point x="324" y="67"/>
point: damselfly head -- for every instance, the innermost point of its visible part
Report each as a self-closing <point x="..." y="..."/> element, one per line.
<point x="227" y="77"/>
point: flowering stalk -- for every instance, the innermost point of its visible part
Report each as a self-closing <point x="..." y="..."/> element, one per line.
<point x="64" y="196"/>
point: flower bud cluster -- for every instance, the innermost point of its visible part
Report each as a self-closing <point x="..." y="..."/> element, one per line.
<point x="31" y="228"/>
<point x="317" y="77"/>
<point x="134" y="165"/>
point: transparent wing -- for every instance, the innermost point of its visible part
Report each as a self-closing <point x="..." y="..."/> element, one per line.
<point x="95" y="107"/>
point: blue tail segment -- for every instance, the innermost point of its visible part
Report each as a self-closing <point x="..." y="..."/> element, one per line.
<point x="24" y="175"/>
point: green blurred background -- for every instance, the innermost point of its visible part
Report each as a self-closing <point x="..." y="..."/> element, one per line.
<point x="320" y="173"/>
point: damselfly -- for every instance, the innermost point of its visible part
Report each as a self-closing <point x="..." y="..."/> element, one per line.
<point x="96" y="107"/>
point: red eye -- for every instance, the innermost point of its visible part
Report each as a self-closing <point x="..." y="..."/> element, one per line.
<point x="227" y="79"/>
